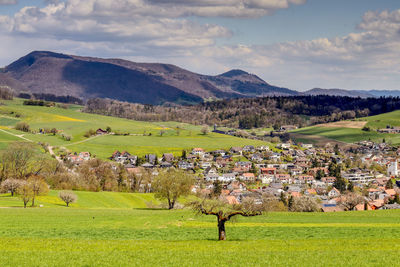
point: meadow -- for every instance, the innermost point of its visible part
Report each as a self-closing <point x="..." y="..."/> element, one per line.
<point x="351" y="135"/>
<point x="110" y="230"/>
<point x="144" y="137"/>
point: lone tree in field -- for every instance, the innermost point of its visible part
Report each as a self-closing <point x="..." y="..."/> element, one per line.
<point x="205" y="130"/>
<point x="25" y="192"/>
<point x="68" y="197"/>
<point x="171" y="184"/>
<point x="225" y="211"/>
<point x="11" y="185"/>
<point x="38" y="186"/>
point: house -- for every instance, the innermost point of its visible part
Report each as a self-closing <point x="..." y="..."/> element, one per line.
<point x="210" y="170"/>
<point x="266" y="178"/>
<point x="283" y="178"/>
<point x="243" y="164"/>
<point x="328" y="180"/>
<point x="236" y="150"/>
<point x="101" y="131"/>
<point x="147" y="165"/>
<point x="283" y="146"/>
<point x="263" y="148"/>
<point x="248" y="176"/>
<point x="257" y="157"/>
<point x="198" y="151"/>
<point x="185" y="165"/>
<point x="305" y="179"/>
<point x="168" y="157"/>
<point x="307" y="146"/>
<point x="211" y="177"/>
<point x="84" y="155"/>
<point x="334" y="193"/>
<point x="232" y="200"/>
<point x="269" y="171"/>
<point x="78" y="158"/>
<point x="227" y="177"/>
<point x="310" y="192"/>
<point x="151" y="158"/>
<point x="205" y="164"/>
<point x="250" y="149"/>
<point x="357" y="176"/>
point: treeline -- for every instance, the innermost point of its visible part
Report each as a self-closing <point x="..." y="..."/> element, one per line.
<point x="252" y="112"/>
<point x="53" y="98"/>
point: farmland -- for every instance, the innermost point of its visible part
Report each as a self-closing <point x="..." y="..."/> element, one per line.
<point x="110" y="230"/>
<point x="350" y="131"/>
<point x="144" y="137"/>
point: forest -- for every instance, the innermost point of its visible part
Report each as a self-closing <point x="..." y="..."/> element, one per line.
<point x="247" y="113"/>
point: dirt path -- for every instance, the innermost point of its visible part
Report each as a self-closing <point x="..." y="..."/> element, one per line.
<point x="17" y="135"/>
<point x="87" y="139"/>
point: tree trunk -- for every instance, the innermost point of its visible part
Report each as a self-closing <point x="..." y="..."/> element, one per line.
<point x="25" y="204"/>
<point x="33" y="202"/>
<point x="12" y="193"/>
<point x="67" y="204"/>
<point x="221" y="230"/>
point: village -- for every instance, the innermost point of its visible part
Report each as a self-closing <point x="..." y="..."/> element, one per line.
<point x="359" y="177"/>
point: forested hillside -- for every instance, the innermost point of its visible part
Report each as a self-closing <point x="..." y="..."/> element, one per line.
<point x="252" y="112"/>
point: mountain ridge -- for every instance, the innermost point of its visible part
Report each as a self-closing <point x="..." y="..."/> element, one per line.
<point x="147" y="83"/>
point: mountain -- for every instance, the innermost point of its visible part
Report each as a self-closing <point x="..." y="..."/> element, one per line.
<point x="379" y="93"/>
<point x="147" y="83"/>
<point x="338" y="92"/>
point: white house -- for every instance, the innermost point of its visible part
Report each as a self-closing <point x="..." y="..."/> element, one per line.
<point x="334" y="193"/>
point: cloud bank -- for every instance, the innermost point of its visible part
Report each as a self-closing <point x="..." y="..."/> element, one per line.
<point x="160" y="31"/>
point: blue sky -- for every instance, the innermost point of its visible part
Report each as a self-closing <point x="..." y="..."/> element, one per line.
<point x="300" y="44"/>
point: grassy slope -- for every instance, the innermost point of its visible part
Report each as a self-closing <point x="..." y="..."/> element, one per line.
<point x="350" y="135"/>
<point x="98" y="235"/>
<point x="92" y="200"/>
<point x="75" y="123"/>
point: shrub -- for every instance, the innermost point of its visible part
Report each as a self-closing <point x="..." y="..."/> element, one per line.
<point x="22" y="126"/>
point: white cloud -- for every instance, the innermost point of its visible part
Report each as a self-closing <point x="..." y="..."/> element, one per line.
<point x="161" y="31"/>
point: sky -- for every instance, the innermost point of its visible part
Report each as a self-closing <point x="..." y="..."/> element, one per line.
<point x="299" y="44"/>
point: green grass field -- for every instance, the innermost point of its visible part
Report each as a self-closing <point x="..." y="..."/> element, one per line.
<point x="75" y="123"/>
<point x="351" y="135"/>
<point x="114" y="229"/>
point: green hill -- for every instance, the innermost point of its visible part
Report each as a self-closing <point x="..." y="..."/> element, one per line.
<point x="351" y="135"/>
<point x="144" y="136"/>
<point x="88" y="200"/>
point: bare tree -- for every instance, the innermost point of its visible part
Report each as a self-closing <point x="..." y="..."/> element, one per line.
<point x="25" y="192"/>
<point x="68" y="197"/>
<point x="171" y="184"/>
<point x="38" y="186"/>
<point x="225" y="211"/>
<point x="11" y="185"/>
<point x="304" y="204"/>
<point x="350" y="200"/>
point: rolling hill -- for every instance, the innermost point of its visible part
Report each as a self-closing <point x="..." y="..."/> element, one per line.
<point x="143" y="137"/>
<point x="147" y="83"/>
<point x="351" y="131"/>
